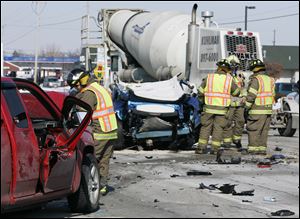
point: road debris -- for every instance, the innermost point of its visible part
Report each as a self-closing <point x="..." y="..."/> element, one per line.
<point x="277" y="156"/>
<point x="215" y="205"/>
<point x="264" y="164"/>
<point x="233" y="160"/>
<point x="210" y="187"/>
<point x="197" y="173"/>
<point x="270" y="199"/>
<point x="246" y="201"/>
<point x="244" y="193"/>
<point x="282" y="213"/>
<point x="278" y="148"/>
<point x="227" y="188"/>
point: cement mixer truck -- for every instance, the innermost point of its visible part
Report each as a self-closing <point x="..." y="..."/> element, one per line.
<point x="157" y="61"/>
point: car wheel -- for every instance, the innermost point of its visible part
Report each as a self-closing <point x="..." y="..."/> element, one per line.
<point x="120" y="142"/>
<point x="86" y="199"/>
<point x="288" y="131"/>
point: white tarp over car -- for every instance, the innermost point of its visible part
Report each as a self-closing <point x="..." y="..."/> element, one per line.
<point x="169" y="90"/>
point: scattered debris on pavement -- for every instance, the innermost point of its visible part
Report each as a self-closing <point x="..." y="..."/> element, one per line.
<point x="264" y="164"/>
<point x="233" y="160"/>
<point x="197" y="173"/>
<point x="244" y="193"/>
<point x="174" y="175"/>
<point x="270" y="199"/>
<point x="246" y="201"/>
<point x="227" y="188"/>
<point x="282" y="213"/>
<point x="210" y="187"/>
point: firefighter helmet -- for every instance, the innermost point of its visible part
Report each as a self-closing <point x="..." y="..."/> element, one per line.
<point x="233" y="61"/>
<point x="78" y="76"/>
<point x="223" y="63"/>
<point x="256" y="65"/>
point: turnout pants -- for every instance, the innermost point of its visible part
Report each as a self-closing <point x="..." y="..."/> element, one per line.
<point x="258" y="127"/>
<point x="104" y="150"/>
<point x="235" y="126"/>
<point x="212" y="124"/>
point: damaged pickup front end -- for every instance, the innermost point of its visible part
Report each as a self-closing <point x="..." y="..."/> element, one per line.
<point x="157" y="114"/>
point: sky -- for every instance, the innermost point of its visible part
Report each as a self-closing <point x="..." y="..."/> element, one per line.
<point x="60" y="20"/>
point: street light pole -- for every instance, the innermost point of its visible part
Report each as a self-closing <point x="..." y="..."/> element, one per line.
<point x="246" y="14"/>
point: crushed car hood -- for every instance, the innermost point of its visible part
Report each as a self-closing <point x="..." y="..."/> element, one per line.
<point x="169" y="90"/>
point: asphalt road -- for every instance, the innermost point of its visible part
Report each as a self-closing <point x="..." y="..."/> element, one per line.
<point x="158" y="185"/>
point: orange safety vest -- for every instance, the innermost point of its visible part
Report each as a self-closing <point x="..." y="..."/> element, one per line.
<point x="265" y="93"/>
<point x="104" y="111"/>
<point x="217" y="90"/>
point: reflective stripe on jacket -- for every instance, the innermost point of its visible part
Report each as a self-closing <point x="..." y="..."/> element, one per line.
<point x="104" y="111"/>
<point x="217" y="90"/>
<point x="265" y="93"/>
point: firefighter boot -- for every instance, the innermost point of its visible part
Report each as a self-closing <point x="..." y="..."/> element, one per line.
<point x="238" y="144"/>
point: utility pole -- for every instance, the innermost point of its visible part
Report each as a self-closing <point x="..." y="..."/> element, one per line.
<point x="36" y="41"/>
<point x="87" y="49"/>
<point x="2" y="37"/>
<point x="37" y="9"/>
<point x="246" y="14"/>
<point x="274" y="37"/>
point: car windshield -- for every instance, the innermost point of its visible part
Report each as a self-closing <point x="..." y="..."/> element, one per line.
<point x="52" y="79"/>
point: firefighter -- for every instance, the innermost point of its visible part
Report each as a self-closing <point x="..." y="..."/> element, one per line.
<point x="215" y="92"/>
<point x="104" y="123"/>
<point x="259" y="101"/>
<point x="236" y="121"/>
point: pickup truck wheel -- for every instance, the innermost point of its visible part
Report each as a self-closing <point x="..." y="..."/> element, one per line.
<point x="86" y="199"/>
<point x="288" y="131"/>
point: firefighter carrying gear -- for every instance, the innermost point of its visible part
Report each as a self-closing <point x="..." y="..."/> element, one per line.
<point x="259" y="101"/>
<point x="215" y="92"/>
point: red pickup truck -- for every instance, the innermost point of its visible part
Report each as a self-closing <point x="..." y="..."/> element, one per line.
<point x="47" y="153"/>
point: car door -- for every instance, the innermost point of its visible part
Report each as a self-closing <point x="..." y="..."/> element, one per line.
<point x="58" y="134"/>
<point x="23" y="153"/>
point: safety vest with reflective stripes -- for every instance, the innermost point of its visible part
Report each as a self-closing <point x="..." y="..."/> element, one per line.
<point x="265" y="93"/>
<point x="104" y="111"/>
<point x="217" y="90"/>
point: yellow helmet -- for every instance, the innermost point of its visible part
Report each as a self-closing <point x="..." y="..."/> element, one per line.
<point x="234" y="62"/>
<point x="78" y="76"/>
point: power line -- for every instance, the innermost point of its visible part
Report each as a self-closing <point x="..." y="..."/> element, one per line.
<point x="264" y="12"/>
<point x="63" y="22"/>
<point x="262" y="19"/>
<point x="20" y="37"/>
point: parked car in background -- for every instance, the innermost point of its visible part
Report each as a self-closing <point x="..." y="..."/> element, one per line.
<point x="282" y="89"/>
<point x="52" y="82"/>
<point x="47" y="151"/>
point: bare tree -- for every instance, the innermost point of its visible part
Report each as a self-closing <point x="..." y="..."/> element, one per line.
<point x="51" y="50"/>
<point x="274" y="69"/>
